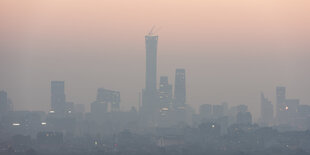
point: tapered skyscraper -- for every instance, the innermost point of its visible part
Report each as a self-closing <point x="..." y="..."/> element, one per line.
<point x="151" y="62"/>
<point x="150" y="94"/>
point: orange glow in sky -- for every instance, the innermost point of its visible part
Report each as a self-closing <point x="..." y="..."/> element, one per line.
<point x="250" y="45"/>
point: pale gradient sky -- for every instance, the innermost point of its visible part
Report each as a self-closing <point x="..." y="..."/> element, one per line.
<point x="231" y="49"/>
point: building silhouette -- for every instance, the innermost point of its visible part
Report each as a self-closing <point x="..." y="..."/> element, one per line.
<point x="266" y="111"/>
<point x="4" y="103"/>
<point x="280" y="103"/>
<point x="58" y="98"/>
<point x="291" y="112"/>
<point x="165" y="92"/>
<point x="179" y="88"/>
<point x="205" y="111"/>
<point x="151" y="62"/>
<point x="150" y="98"/>
<point x="107" y="100"/>
<point x="287" y="109"/>
<point x="244" y="118"/>
<point x="218" y="111"/>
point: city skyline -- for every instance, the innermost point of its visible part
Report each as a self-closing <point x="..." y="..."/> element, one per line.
<point x="153" y="93"/>
<point x="224" y="46"/>
<point x="154" y="85"/>
<point x="154" y="77"/>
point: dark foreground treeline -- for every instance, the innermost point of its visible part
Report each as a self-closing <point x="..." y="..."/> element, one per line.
<point x="206" y="139"/>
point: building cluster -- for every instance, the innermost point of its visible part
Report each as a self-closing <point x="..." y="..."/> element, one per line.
<point x="164" y="122"/>
<point x="223" y="116"/>
<point x="289" y="113"/>
<point x="160" y="106"/>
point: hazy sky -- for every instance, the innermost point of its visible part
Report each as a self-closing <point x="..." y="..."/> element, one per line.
<point x="231" y="49"/>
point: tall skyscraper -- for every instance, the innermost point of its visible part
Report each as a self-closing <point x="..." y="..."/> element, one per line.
<point x="266" y="111"/>
<point x="58" y="97"/>
<point x="180" y="88"/>
<point x="165" y="92"/>
<point x="151" y="62"/>
<point x="150" y="96"/>
<point x="150" y="99"/>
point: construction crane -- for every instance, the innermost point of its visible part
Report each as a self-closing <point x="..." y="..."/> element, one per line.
<point x="153" y="30"/>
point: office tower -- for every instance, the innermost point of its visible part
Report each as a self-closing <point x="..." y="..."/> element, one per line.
<point x="291" y="111"/>
<point x="100" y="106"/>
<point x="266" y="111"/>
<point x="69" y="107"/>
<point x="4" y="102"/>
<point x="205" y="111"/>
<point x="58" y="97"/>
<point x="180" y="88"/>
<point x="218" y="111"/>
<point x="106" y="99"/>
<point x="79" y="108"/>
<point x="280" y="105"/>
<point x="225" y="107"/>
<point x="150" y="99"/>
<point x="244" y="118"/>
<point x="242" y="108"/>
<point x="303" y="120"/>
<point x="115" y="101"/>
<point x="165" y="92"/>
<point x="304" y="111"/>
<point x="149" y="95"/>
<point x="151" y="62"/>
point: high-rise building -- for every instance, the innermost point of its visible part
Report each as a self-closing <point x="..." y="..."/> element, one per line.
<point x="106" y="99"/>
<point x="151" y="62"/>
<point x="58" y="97"/>
<point x="266" y="111"/>
<point x="287" y="109"/>
<point x="290" y="112"/>
<point x="79" y="108"/>
<point x="218" y="111"/>
<point x="244" y="118"/>
<point x="242" y="108"/>
<point x="280" y="105"/>
<point x="150" y="98"/>
<point x="180" y="88"/>
<point x="70" y="107"/>
<point x="205" y="111"/>
<point x="225" y="106"/>
<point x="4" y="102"/>
<point x="165" y="92"/>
